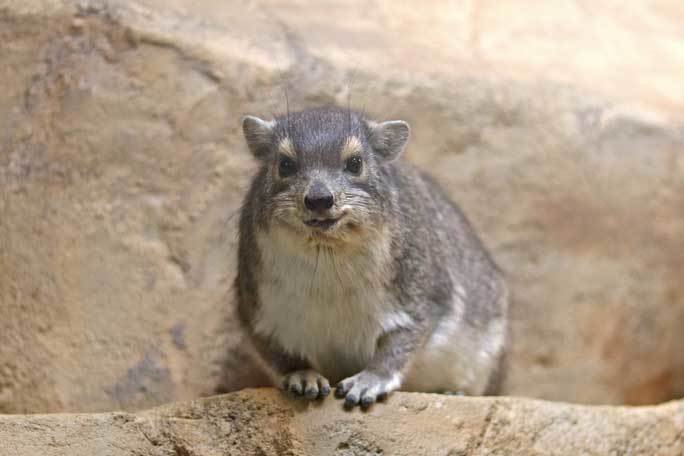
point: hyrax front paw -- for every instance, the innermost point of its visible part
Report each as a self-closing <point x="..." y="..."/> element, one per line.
<point x="306" y="383"/>
<point x="366" y="387"/>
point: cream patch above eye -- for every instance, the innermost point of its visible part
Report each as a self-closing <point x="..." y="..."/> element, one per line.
<point x="286" y="148"/>
<point x="352" y="146"/>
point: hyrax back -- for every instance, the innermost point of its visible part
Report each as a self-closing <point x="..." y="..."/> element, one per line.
<point x="355" y="268"/>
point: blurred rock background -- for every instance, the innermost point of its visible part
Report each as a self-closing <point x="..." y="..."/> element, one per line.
<point x="558" y="126"/>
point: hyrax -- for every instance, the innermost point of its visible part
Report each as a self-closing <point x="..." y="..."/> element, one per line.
<point x="355" y="269"/>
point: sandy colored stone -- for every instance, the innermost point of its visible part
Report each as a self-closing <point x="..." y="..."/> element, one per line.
<point x="122" y="167"/>
<point x="265" y="422"/>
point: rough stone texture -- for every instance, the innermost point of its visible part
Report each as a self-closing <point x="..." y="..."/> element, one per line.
<point x="121" y="167"/>
<point x="267" y="423"/>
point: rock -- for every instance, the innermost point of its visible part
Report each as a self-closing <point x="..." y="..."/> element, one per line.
<point x="122" y="168"/>
<point x="265" y="422"/>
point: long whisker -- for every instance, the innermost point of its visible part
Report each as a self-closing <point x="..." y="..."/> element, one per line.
<point x="287" y="107"/>
<point x="350" y="88"/>
<point x="315" y="271"/>
<point x="333" y="262"/>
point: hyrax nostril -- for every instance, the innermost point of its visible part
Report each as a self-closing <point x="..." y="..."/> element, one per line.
<point x="318" y="198"/>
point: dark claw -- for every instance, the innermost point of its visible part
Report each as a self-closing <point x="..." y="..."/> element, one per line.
<point x="296" y="388"/>
<point x="324" y="391"/>
<point x="367" y="401"/>
<point x="382" y="397"/>
<point x="311" y="393"/>
<point x="351" y="400"/>
<point x="340" y="392"/>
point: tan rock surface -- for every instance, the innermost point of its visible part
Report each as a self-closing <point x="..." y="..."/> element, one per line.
<point x="264" y="422"/>
<point x="560" y="129"/>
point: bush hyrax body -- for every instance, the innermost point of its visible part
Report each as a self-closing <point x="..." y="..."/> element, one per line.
<point x="355" y="268"/>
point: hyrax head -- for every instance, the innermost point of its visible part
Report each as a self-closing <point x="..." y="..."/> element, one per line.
<point x="323" y="170"/>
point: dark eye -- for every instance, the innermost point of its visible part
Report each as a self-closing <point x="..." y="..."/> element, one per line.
<point x="287" y="167"/>
<point x="353" y="165"/>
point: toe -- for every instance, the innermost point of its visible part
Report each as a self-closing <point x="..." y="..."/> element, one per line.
<point x="311" y="385"/>
<point x="368" y="398"/>
<point x="323" y="387"/>
<point x="351" y="400"/>
<point x="342" y="388"/>
<point x="293" y="383"/>
<point x="296" y="387"/>
<point x="354" y="395"/>
<point x="311" y="391"/>
<point x="367" y="401"/>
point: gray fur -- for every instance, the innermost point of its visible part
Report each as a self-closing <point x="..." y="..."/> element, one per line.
<point x="398" y="294"/>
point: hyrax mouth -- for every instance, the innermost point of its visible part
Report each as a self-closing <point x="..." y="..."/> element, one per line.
<point x="322" y="223"/>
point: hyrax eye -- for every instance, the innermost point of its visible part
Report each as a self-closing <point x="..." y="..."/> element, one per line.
<point x="353" y="165"/>
<point x="286" y="166"/>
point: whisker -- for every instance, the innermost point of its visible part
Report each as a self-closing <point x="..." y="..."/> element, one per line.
<point x="333" y="263"/>
<point x="315" y="271"/>
<point x="349" y="96"/>
<point x="287" y="118"/>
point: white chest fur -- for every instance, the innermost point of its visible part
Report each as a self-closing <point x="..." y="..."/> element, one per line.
<point x="327" y="306"/>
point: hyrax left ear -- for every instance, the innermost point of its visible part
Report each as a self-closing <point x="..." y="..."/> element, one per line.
<point x="388" y="139"/>
<point x="259" y="135"/>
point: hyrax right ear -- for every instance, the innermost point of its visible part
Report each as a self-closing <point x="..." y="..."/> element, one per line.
<point x="388" y="139"/>
<point x="259" y="136"/>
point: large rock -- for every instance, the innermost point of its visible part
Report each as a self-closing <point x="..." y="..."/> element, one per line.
<point x="122" y="167"/>
<point x="267" y="423"/>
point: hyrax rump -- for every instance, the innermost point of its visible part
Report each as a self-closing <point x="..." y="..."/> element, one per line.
<point x="355" y="268"/>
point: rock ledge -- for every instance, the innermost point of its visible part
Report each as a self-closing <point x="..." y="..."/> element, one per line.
<point x="266" y="422"/>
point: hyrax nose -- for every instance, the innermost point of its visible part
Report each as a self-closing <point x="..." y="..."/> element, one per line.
<point x="318" y="198"/>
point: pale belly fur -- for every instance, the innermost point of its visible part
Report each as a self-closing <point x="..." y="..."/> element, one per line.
<point x="325" y="311"/>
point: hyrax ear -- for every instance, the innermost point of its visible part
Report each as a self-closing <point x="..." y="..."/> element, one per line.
<point x="388" y="139"/>
<point x="259" y="136"/>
